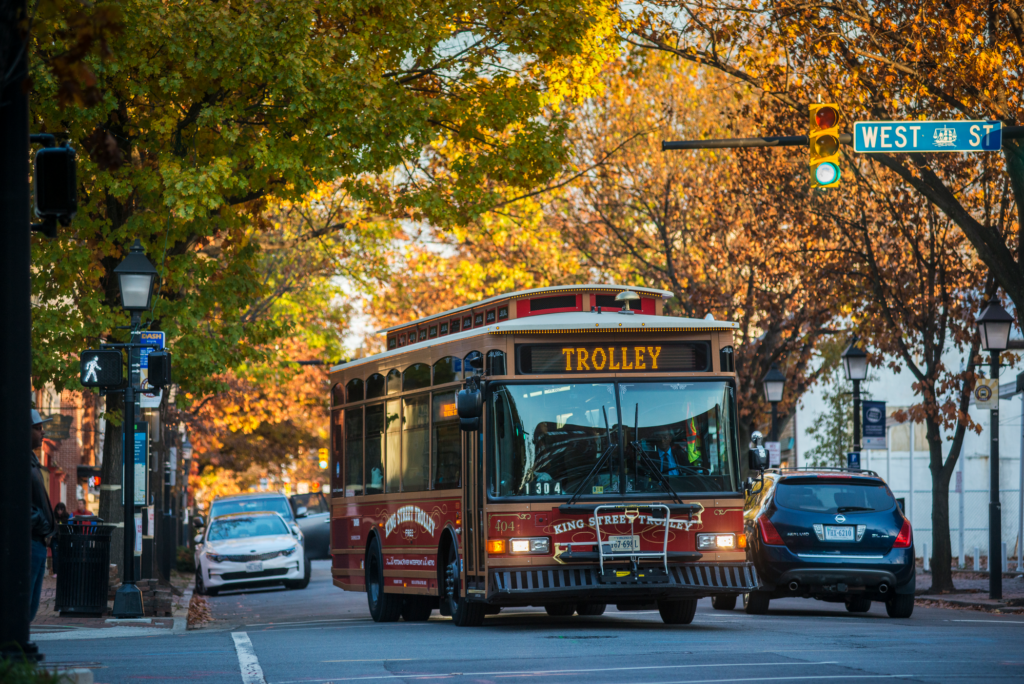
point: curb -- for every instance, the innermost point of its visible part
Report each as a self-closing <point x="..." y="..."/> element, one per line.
<point x="988" y="607"/>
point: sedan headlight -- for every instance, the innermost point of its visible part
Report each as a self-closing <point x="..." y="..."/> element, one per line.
<point x="290" y="551"/>
<point x="715" y="540"/>
<point x="216" y="557"/>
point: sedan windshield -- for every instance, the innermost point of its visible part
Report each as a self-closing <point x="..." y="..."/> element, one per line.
<point x="272" y="504"/>
<point x="557" y="440"/>
<point x="241" y="528"/>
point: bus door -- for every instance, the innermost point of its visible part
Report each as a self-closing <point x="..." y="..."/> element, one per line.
<point x="474" y="530"/>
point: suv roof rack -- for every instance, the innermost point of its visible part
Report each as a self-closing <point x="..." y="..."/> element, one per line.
<point x="838" y="469"/>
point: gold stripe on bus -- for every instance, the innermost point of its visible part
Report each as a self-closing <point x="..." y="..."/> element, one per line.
<point x="428" y="574"/>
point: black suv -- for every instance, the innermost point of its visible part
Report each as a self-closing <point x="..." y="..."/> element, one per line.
<point x="832" y="534"/>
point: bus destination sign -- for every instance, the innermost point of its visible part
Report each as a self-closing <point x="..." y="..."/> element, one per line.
<point x="552" y="359"/>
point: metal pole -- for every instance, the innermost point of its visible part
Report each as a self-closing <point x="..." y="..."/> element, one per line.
<point x="1020" y="495"/>
<point x="15" y="342"/>
<point x="856" y="416"/>
<point x="128" y="600"/>
<point x="888" y="452"/>
<point x="910" y="492"/>
<point x="995" y="572"/>
<point x="775" y="421"/>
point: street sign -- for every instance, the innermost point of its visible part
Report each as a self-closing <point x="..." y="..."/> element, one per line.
<point x="100" y="368"/>
<point x="927" y="136"/>
<point x="986" y="393"/>
<point x="157" y="338"/>
<point x="874" y="425"/>
<point x="853" y="460"/>
<point x="141" y="462"/>
<point x="774" y="454"/>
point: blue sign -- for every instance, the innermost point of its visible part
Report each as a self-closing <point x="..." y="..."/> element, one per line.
<point x="853" y="460"/>
<point x="927" y="136"/>
<point x="153" y="337"/>
<point x="141" y="461"/>
<point x="874" y="425"/>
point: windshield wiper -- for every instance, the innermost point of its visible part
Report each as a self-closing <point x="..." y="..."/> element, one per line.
<point x="639" y="450"/>
<point x="847" y="509"/>
<point x="600" y="461"/>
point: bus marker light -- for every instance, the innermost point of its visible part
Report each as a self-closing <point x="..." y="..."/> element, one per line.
<point x="496" y="546"/>
<point x="742" y="541"/>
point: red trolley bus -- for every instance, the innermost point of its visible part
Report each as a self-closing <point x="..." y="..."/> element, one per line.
<point x="565" y="447"/>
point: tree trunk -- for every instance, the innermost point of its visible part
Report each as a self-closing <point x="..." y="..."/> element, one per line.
<point x="942" y="554"/>
<point x="111" y="506"/>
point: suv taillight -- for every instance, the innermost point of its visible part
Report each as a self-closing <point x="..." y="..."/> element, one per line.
<point x="769" y="534"/>
<point x="903" y="538"/>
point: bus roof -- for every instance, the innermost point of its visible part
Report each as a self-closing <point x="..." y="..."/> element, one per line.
<point x="568" y="323"/>
<point x="649" y="291"/>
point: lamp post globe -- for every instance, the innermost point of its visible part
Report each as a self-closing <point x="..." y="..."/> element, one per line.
<point x="135" y="277"/>
<point x="994" y="327"/>
<point x="855" y="362"/>
<point x="773" y="384"/>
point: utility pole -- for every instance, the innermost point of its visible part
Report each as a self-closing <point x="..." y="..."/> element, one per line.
<point x="16" y="341"/>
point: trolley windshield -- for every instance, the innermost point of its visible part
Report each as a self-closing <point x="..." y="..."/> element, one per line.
<point x="612" y="439"/>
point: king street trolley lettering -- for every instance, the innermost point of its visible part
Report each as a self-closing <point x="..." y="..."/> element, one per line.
<point x="541" y="359"/>
<point x="561" y="528"/>
<point x="413" y="514"/>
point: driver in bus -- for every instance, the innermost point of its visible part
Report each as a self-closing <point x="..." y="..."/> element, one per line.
<point x="668" y="455"/>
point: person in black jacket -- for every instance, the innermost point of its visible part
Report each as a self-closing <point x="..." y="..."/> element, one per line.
<point x="42" y="516"/>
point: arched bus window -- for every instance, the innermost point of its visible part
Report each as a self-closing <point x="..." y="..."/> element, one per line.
<point x="448" y="369"/>
<point x="354" y="390"/>
<point x="416" y="376"/>
<point x="337" y="451"/>
<point x="338" y="395"/>
<point x="495" y="362"/>
<point x="374" y="452"/>
<point x="474" y="364"/>
<point x="415" y="442"/>
<point x="375" y="386"/>
<point x="354" y="451"/>
<point x="394" y="381"/>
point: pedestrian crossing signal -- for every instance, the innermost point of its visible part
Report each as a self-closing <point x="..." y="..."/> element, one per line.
<point x="100" y="368"/>
<point x="824" y="145"/>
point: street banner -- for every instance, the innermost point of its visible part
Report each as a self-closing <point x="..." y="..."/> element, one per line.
<point x="927" y="136"/>
<point x="986" y="393"/>
<point x="156" y="337"/>
<point x="853" y="460"/>
<point x="138" y="533"/>
<point x="774" y="454"/>
<point x="141" y="462"/>
<point x="874" y="424"/>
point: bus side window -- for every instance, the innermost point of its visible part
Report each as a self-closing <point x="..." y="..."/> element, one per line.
<point x="337" y="449"/>
<point x="416" y="442"/>
<point x="338" y="395"/>
<point x="375" y="386"/>
<point x="447" y="370"/>
<point x="353" y="452"/>
<point x="446" y="442"/>
<point x="394" y="381"/>
<point x="374" y="451"/>
<point x="474" y="364"/>
<point x="495" y="362"/>
<point x="354" y="390"/>
<point x="393" y="447"/>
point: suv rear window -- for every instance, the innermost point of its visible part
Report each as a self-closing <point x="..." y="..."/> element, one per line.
<point x="833" y="497"/>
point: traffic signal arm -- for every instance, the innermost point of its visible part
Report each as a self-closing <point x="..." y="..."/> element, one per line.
<point x="768" y="141"/>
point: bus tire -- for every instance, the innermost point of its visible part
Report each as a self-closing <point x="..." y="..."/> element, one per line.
<point x="417" y="608"/>
<point x="757" y="602"/>
<point x="560" y="609"/>
<point x="723" y="602"/>
<point x="677" y="611"/>
<point x="590" y="608"/>
<point x="464" y="613"/>
<point x="384" y="607"/>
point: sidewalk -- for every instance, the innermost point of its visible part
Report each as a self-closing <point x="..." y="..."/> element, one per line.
<point x="972" y="592"/>
<point x="49" y="625"/>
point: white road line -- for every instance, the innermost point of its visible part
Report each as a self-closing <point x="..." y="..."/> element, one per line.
<point x="252" y="673"/>
<point x="998" y="622"/>
<point x="534" y="673"/>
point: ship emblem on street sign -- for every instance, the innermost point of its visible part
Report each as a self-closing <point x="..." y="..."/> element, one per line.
<point x="944" y="137"/>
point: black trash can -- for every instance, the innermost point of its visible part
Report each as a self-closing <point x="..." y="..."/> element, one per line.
<point x="83" y="557"/>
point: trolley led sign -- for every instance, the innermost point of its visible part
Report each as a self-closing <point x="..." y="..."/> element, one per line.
<point x="552" y="359"/>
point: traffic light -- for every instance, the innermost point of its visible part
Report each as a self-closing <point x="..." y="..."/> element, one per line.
<point x="159" y="369"/>
<point x="323" y="454"/>
<point x="100" y="368"/>
<point x="824" y="144"/>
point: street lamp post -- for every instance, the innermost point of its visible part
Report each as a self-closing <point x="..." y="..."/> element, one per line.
<point x="135" y="276"/>
<point x="994" y="329"/>
<point x="774" y="383"/>
<point x="855" y="365"/>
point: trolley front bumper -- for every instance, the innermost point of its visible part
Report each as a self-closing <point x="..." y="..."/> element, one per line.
<point x="690" y="580"/>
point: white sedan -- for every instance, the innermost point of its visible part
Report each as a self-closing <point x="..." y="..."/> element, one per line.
<point x="249" y="548"/>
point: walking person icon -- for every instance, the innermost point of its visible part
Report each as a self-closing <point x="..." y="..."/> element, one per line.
<point x="90" y="370"/>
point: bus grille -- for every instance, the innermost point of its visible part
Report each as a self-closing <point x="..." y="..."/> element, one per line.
<point x="697" y="576"/>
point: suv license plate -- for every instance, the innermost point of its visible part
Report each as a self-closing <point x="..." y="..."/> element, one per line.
<point x="838" y="533"/>
<point x="254" y="566"/>
<point x="623" y="543"/>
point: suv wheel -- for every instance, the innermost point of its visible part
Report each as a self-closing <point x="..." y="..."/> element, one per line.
<point x="900" y="606"/>
<point x="757" y="602"/>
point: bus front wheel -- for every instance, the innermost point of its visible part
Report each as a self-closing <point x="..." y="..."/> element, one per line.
<point x="464" y="613"/>
<point x="677" y="611"/>
<point x="384" y="607"/>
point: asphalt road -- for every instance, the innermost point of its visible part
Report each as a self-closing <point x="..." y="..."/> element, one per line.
<point x="322" y="634"/>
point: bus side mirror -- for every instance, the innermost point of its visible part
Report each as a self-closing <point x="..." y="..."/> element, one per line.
<point x="469" y="404"/>
<point x="198" y="522"/>
<point x="758" y="458"/>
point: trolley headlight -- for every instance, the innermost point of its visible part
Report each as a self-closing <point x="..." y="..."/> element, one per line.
<point x="721" y="542"/>
<point x="530" y="545"/>
<point x="216" y="557"/>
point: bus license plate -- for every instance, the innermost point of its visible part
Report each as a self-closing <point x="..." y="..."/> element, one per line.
<point x="623" y="543"/>
<point x="838" y="533"/>
<point x="254" y="566"/>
